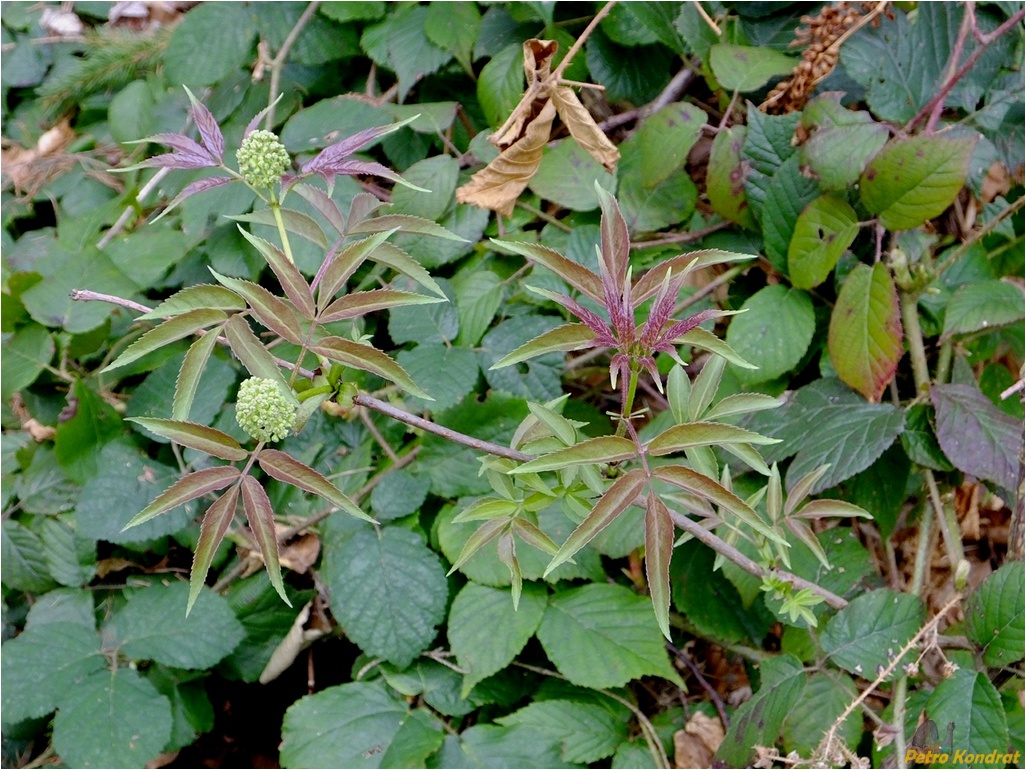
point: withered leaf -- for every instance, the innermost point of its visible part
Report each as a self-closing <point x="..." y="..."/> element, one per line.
<point x="526" y="132"/>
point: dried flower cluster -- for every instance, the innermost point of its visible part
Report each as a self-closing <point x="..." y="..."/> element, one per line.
<point x="821" y="36"/>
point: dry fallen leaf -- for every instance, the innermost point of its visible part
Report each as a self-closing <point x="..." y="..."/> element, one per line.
<point x="526" y="132"/>
<point x="29" y="169"/>
<point x="697" y="743"/>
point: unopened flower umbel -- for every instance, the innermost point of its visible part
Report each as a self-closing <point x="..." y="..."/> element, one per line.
<point x="262" y="159"/>
<point x="263" y="411"/>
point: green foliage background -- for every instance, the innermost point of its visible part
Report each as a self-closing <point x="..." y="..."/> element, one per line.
<point x="885" y="305"/>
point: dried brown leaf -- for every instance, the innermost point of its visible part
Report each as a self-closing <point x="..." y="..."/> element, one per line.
<point x="696" y="744"/>
<point x="498" y="185"/>
<point x="584" y="129"/>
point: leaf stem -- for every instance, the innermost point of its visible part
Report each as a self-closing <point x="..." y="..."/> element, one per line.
<point x="278" y="62"/>
<point x="282" y="232"/>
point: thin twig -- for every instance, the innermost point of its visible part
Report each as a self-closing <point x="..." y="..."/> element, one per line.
<point x="688" y="237"/>
<point x="709" y="689"/>
<point x="278" y="62"/>
<point x="130" y="211"/>
<point x="557" y="74"/>
<point x="707" y="18"/>
<point x="968" y="243"/>
<point x="670" y="93"/>
<point x="85" y="295"/>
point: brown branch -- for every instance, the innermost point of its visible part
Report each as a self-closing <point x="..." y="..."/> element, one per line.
<point x="278" y="62"/>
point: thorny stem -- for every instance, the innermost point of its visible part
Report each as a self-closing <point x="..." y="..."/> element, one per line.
<point x="955" y="254"/>
<point x="278" y="63"/>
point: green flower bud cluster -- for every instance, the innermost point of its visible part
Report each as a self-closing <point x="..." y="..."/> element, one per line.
<point x="263" y="411"/>
<point x="262" y="159"/>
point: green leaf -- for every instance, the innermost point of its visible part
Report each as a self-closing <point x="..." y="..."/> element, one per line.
<point x="24" y="566"/>
<point x="475" y="614"/>
<point x="567" y="175"/>
<point x="919" y="441"/>
<point x="187" y="488"/>
<point x="602" y="635"/>
<point x="438" y="685"/>
<point x="824" y="699"/>
<point x="487" y="745"/>
<point x="500" y="84"/>
<point x="388" y="591"/>
<point x="126" y="481"/>
<point x="614" y="501"/>
<point x="251" y="352"/>
<point x="586" y="732"/>
<point x="79" y="439"/>
<point x="368" y="359"/>
<point x="658" y="551"/>
<point x="26" y="354"/>
<point x="982" y="304"/>
<point x="70" y="559"/>
<point x="42" y="665"/>
<point x="703" y="340"/>
<point x="971" y="702"/>
<point x="199" y="437"/>
<point x="478" y="296"/>
<point x="745" y="68"/>
<point x="725" y="180"/>
<point x="266" y="620"/>
<point x="773" y="334"/>
<point x="647" y="208"/>
<point x="787" y="194"/>
<point x="454" y="28"/>
<point x="399" y="494"/>
<point x="441" y="173"/>
<point x="404" y="223"/>
<point x="629" y="74"/>
<point x="865" y="338"/>
<point x="153" y="626"/>
<point x="189" y="376"/>
<point x="216" y="521"/>
<point x="448" y="373"/>
<point x="176" y="328"/>
<point x="112" y="719"/>
<point x="976" y="436"/>
<point x="578" y="276"/>
<point x="914" y="179"/>
<point x="210" y="44"/>
<point x="869" y="633"/>
<point x="344" y="264"/>
<point x="759" y="721"/>
<point x="273" y="312"/>
<point x="401" y="44"/>
<point x="666" y="137"/>
<point x="260" y="515"/>
<point x="741" y="403"/>
<point x="361" y="724"/>
<point x="994" y="616"/>
<point x="295" y="222"/>
<point x="63" y="605"/>
<point x="199" y="297"/>
<point x="565" y="338"/>
<point x="604" y="449"/>
<point x="438" y="323"/>
<point x="842" y="142"/>
<point x="284" y="467"/>
<point x="363" y="302"/>
<point x="680" y="437"/>
<point x="825" y="228"/>
<point x="767" y="145"/>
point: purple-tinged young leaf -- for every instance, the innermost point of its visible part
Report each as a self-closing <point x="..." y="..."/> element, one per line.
<point x="593" y="321"/>
<point x="680" y="437"/>
<point x="288" y="275"/>
<point x="532" y="534"/>
<point x="823" y="509"/>
<point x="200" y="437"/>
<point x="703" y="486"/>
<point x="487" y="508"/>
<point x="366" y="168"/>
<point x="362" y="302"/>
<point x="574" y="274"/>
<point x="252" y="125"/>
<point x="404" y="223"/>
<point x="200" y="185"/>
<point x="260" y="515"/>
<point x="324" y="205"/>
<point x="178" y="161"/>
<point x="283" y="467"/>
<point x="362" y="206"/>
<point x="662" y="309"/>
<point x="330" y="159"/>
<point x="251" y="352"/>
<point x="681" y="266"/>
<point x="564" y="338"/>
<point x="804" y="533"/>
<point x="507" y="549"/>
<point x="709" y="342"/>
<point x="171" y="330"/>
<point x="803" y="488"/>
<point x="604" y="449"/>
<point x="275" y="313"/>
<point x="203" y="296"/>
<point x="209" y="131"/>
<point x="295" y="222"/>
<point x="368" y="359"/>
<point x="742" y="403"/>
<point x="215" y="524"/>
<point x="343" y="264"/>
<point x="392" y="256"/>
<point x="189" y="375"/>
<point x="746" y="453"/>
<point x="185" y="489"/>
<point x="624" y="491"/>
<point x="484" y="535"/>
<point x="616" y="242"/>
<point x="658" y="552"/>
<point x="679" y="328"/>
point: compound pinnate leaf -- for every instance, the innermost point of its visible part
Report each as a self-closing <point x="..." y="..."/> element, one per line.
<point x="153" y="626"/>
<point x="200" y="437"/>
<point x="42" y="664"/>
<point x="112" y="719"/>
<point x="260" y="516"/>
<point x="658" y="551"/>
<point x="369" y="359"/>
<point x="564" y="339"/>
<point x="216" y="521"/>
<point x="388" y="591"/>
<point x="579" y="277"/>
<point x="201" y="296"/>
<point x="475" y="614"/>
<point x="976" y="436"/>
<point x="362" y="302"/>
<point x="275" y="313"/>
<point x="604" y="449"/>
<point x="171" y="330"/>
<point x="284" y="467"/>
<point x="251" y="352"/>
<point x="870" y="632"/>
<point x="291" y="280"/>
<point x="914" y="179"/>
<point x="361" y="724"/>
<point x="994" y="617"/>
<point x="865" y="337"/>
<point x="193" y="366"/>
<point x="692" y="434"/>
<point x="603" y="636"/>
